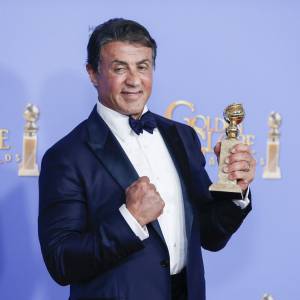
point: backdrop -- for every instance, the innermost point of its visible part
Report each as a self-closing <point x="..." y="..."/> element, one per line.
<point x="210" y="53"/>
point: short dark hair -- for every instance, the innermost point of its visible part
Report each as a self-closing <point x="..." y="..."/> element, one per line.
<point x="118" y="30"/>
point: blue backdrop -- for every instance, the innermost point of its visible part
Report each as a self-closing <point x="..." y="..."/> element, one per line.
<point x="210" y="53"/>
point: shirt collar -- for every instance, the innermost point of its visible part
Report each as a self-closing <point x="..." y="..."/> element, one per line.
<point x="118" y="123"/>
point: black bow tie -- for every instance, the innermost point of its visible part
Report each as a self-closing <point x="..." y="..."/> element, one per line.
<point x="146" y="122"/>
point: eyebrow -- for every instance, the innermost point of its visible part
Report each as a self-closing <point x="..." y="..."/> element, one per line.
<point x="116" y="61"/>
<point x="144" y="61"/>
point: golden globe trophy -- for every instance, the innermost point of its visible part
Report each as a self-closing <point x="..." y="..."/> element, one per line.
<point x="267" y="297"/>
<point x="272" y="169"/>
<point x="28" y="165"/>
<point x="233" y="115"/>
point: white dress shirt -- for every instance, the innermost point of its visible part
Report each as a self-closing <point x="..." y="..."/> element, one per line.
<point x="150" y="157"/>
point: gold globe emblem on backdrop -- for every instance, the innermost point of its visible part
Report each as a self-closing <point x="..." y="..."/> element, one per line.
<point x="28" y="165"/>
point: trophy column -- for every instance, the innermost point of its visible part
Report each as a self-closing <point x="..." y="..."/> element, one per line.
<point x="28" y="166"/>
<point x="272" y="169"/>
<point x="233" y="114"/>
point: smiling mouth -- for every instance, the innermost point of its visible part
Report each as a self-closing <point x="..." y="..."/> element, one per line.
<point x="131" y="93"/>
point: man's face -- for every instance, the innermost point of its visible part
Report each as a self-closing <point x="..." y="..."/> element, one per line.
<point x="124" y="78"/>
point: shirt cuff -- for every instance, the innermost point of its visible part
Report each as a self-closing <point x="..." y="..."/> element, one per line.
<point x="140" y="231"/>
<point x="244" y="202"/>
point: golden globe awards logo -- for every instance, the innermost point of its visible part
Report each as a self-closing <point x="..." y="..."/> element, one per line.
<point x="27" y="162"/>
<point x="6" y="156"/>
<point x="3" y="137"/>
<point x="211" y="129"/>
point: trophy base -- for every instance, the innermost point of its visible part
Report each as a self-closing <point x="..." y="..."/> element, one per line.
<point x="272" y="175"/>
<point x="29" y="172"/>
<point x="226" y="191"/>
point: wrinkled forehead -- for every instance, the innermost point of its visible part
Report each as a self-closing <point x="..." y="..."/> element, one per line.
<point x="127" y="52"/>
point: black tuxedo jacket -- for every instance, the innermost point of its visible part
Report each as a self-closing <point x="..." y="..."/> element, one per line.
<point x="86" y="242"/>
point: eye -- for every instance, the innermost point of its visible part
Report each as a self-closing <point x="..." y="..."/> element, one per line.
<point x="119" y="69"/>
<point x="143" y="67"/>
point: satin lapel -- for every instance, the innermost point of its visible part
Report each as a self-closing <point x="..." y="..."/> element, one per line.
<point x="177" y="151"/>
<point x="108" y="150"/>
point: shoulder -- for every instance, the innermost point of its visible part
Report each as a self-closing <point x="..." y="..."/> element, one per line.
<point x="181" y="127"/>
<point x="187" y="135"/>
<point x="69" y="145"/>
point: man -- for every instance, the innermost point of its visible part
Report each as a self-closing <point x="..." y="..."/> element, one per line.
<point x="124" y="200"/>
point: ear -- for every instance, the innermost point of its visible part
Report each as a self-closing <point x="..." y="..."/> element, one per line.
<point x="92" y="74"/>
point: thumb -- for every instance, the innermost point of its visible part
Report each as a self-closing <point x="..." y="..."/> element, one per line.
<point x="217" y="148"/>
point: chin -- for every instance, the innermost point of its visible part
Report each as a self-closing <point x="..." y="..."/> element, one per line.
<point x="137" y="110"/>
<point x="134" y="112"/>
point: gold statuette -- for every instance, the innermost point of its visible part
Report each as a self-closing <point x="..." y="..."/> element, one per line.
<point x="233" y="115"/>
<point x="272" y="169"/>
<point x="267" y="297"/>
<point x="28" y="166"/>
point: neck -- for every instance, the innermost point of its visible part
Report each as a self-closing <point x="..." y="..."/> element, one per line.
<point x="136" y="116"/>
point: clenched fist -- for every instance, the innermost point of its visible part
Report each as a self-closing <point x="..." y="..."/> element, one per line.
<point x="143" y="201"/>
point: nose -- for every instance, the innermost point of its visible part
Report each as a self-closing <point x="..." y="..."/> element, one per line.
<point x="133" y="79"/>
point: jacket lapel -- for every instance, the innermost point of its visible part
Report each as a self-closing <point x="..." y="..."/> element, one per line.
<point x="110" y="153"/>
<point x="176" y="148"/>
<point x="108" y="150"/>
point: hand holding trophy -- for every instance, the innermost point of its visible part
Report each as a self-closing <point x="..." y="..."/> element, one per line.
<point x="233" y="115"/>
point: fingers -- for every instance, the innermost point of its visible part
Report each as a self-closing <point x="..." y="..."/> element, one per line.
<point x="243" y="178"/>
<point x="143" y="201"/>
<point x="144" y="179"/>
<point x="240" y="165"/>
<point x="237" y="166"/>
<point x="241" y="148"/>
<point x="142" y="184"/>
<point x="239" y="156"/>
<point x="238" y="175"/>
<point x="241" y="153"/>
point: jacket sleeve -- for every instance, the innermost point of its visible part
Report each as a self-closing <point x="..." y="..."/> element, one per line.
<point x="219" y="217"/>
<point x="73" y="252"/>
